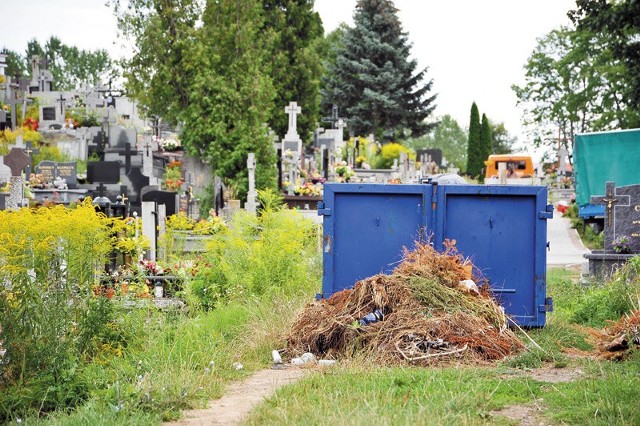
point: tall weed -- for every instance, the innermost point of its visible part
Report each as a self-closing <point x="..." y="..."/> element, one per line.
<point x="272" y="253"/>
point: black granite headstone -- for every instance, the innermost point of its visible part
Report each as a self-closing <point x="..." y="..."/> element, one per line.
<point x="168" y="198"/>
<point x="49" y="113"/>
<point x="103" y="171"/>
<point x="47" y="169"/>
<point x="138" y="181"/>
<point x="622" y="215"/>
<point x="69" y="172"/>
<point x="434" y="153"/>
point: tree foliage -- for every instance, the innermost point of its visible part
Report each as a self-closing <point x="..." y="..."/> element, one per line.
<point x="501" y="141"/>
<point x="574" y="84"/>
<point x="374" y="80"/>
<point x="485" y="143"/>
<point x="475" y="161"/>
<point x="206" y="70"/>
<point x="449" y="137"/>
<point x="71" y="67"/>
<point x="296" y="66"/>
<point x="620" y="21"/>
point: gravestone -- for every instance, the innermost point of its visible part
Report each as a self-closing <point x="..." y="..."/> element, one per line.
<point x="168" y="198"/>
<point x="16" y="160"/>
<point x="5" y="172"/>
<point x="622" y="219"/>
<point x="137" y="181"/>
<point x="103" y="171"/>
<point x="432" y="154"/>
<point x="50" y="170"/>
<point x="622" y="214"/>
<point x="49" y="117"/>
<point x="120" y="136"/>
<point x="149" y="227"/>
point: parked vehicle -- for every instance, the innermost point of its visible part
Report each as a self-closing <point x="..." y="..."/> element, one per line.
<point x="601" y="157"/>
<point x="519" y="169"/>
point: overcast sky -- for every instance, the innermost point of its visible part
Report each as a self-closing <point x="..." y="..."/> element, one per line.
<point x="475" y="50"/>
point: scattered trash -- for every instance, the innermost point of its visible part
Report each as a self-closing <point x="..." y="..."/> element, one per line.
<point x="327" y="362"/>
<point x="238" y="366"/>
<point x="426" y="311"/>
<point x="308" y="357"/>
<point x="277" y="359"/>
<point x="470" y="287"/>
<point x="297" y="361"/>
<point x="374" y="316"/>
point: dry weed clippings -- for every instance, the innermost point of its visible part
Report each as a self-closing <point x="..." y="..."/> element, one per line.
<point x="620" y="338"/>
<point x="428" y="316"/>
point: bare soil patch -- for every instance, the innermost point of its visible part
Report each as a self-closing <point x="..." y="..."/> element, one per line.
<point x="241" y="397"/>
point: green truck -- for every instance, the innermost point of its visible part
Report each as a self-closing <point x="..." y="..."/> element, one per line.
<point x="601" y="157"/>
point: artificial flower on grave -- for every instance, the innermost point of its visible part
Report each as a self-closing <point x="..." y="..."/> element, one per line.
<point x="308" y="189"/>
<point x="31" y="124"/>
<point x="344" y="171"/>
<point x="149" y="267"/>
<point x="621" y="244"/>
<point x="173" y="176"/>
<point x="170" y="144"/>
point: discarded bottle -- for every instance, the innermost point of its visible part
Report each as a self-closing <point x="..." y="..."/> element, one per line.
<point x="374" y="316"/>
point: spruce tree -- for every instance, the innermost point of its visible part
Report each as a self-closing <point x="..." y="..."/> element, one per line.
<point x="296" y="66"/>
<point x="485" y="144"/>
<point x="373" y="79"/>
<point x="473" y="147"/>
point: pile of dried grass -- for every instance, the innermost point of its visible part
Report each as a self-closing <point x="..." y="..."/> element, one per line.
<point x="428" y="316"/>
<point x="620" y="338"/>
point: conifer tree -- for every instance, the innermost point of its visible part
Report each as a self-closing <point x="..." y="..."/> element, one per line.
<point x="296" y="66"/>
<point x="373" y="79"/>
<point x="485" y="144"/>
<point x="473" y="147"/>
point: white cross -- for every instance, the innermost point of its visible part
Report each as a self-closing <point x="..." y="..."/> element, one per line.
<point x="293" y="110"/>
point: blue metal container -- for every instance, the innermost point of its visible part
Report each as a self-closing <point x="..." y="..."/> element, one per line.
<point x="502" y="229"/>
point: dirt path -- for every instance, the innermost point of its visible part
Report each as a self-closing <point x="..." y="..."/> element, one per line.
<point x="241" y="397"/>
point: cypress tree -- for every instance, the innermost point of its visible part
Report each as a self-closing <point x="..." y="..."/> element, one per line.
<point x="485" y="144"/>
<point x="295" y="64"/>
<point x="373" y="79"/>
<point x="473" y="146"/>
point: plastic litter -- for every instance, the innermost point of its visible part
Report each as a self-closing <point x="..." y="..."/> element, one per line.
<point x="327" y="362"/>
<point x="277" y="359"/>
<point x="374" y="316"/>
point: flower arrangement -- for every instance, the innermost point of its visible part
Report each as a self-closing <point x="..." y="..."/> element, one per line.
<point x="173" y="176"/>
<point x="344" y="171"/>
<point x="621" y="244"/>
<point x="308" y="189"/>
<point x="170" y="144"/>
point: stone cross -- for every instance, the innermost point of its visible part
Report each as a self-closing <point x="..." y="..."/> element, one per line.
<point x="30" y="150"/>
<point x="293" y="110"/>
<point x="17" y="160"/>
<point x="334" y="119"/>
<point x="251" y="204"/>
<point x="127" y="156"/>
<point x="608" y="200"/>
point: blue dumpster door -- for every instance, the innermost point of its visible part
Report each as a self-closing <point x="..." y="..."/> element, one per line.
<point x="366" y="234"/>
<point x="501" y="231"/>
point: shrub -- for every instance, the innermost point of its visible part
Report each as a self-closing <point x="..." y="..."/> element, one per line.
<point x="390" y="152"/>
<point x="48" y="264"/>
<point x="273" y="252"/>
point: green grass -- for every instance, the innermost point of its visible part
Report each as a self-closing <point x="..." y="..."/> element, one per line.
<point x="169" y="371"/>
<point x="374" y="395"/>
